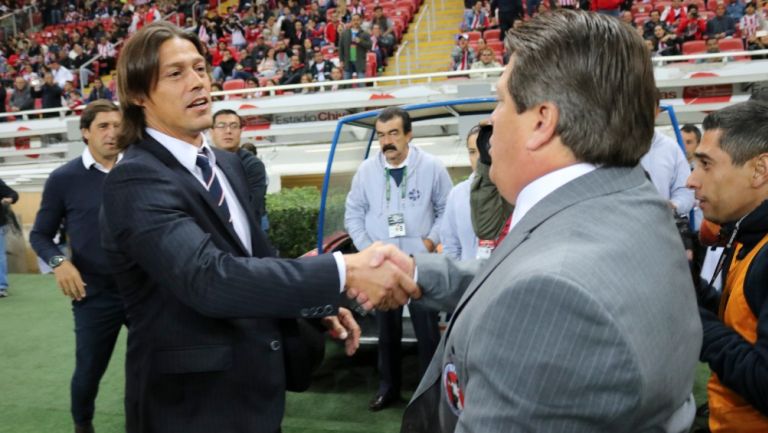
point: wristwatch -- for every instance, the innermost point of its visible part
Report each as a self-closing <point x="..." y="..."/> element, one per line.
<point x="56" y="261"/>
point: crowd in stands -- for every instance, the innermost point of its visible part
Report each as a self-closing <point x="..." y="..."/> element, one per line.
<point x="669" y="27"/>
<point x="272" y="42"/>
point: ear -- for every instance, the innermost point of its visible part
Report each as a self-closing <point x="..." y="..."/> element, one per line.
<point x="544" y="118"/>
<point x="760" y="174"/>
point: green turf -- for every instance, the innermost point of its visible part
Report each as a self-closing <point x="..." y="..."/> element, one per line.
<point x="37" y="358"/>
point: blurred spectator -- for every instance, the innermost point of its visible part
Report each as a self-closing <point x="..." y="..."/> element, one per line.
<point x="259" y="49"/>
<point x="235" y="29"/>
<point x="225" y="68"/>
<point x="268" y="66"/>
<point x="99" y="91"/>
<point x="508" y="11"/>
<point x="462" y="55"/>
<point x="387" y="39"/>
<point x="314" y="34"/>
<point x="252" y="83"/>
<point x="353" y="49"/>
<point x="216" y="87"/>
<point x="626" y="17"/>
<point x="487" y="60"/>
<point x="751" y="23"/>
<point x="476" y="18"/>
<point x="693" y="26"/>
<point x="320" y="68"/>
<point x="282" y="56"/>
<point x="674" y="13"/>
<point x="21" y="99"/>
<point x="307" y="79"/>
<point x="3" y="95"/>
<point x="356" y="8"/>
<point x="336" y="75"/>
<point x="294" y="72"/>
<point x="50" y="93"/>
<point x="654" y="20"/>
<point x="377" y="48"/>
<point x="245" y="61"/>
<point x="721" y="25"/>
<point x="332" y="30"/>
<point x="73" y="100"/>
<point x="78" y="60"/>
<point x="60" y="74"/>
<point x="297" y="34"/>
<point x="664" y="42"/>
<point x="307" y="52"/>
<point x="760" y="42"/>
<point x="713" y="48"/>
<point x="735" y="9"/>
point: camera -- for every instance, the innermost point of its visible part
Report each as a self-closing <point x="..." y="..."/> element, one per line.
<point x="484" y="143"/>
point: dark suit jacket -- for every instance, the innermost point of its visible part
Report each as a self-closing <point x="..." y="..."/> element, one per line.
<point x="205" y="347"/>
<point x="256" y="178"/>
<point x="363" y="47"/>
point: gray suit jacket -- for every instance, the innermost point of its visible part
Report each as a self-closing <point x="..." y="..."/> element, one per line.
<point x="584" y="320"/>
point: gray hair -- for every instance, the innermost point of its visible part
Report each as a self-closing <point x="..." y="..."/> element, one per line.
<point x="597" y="71"/>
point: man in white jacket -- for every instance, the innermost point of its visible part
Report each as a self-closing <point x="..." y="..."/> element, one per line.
<point x="398" y="196"/>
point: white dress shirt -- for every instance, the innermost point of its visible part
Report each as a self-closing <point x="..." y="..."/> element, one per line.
<point x="89" y="161"/>
<point x="535" y="191"/>
<point x="186" y="154"/>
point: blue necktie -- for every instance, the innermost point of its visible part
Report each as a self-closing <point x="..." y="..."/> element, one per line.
<point x="212" y="184"/>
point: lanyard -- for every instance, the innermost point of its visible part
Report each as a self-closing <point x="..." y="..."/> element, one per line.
<point x="402" y="184"/>
<point x="726" y="251"/>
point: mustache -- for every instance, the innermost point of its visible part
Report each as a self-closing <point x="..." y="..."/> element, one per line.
<point x="388" y="147"/>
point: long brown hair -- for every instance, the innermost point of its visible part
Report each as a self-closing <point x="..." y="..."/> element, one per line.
<point x="137" y="71"/>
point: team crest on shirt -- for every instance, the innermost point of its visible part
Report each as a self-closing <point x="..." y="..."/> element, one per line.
<point x="454" y="395"/>
<point x="414" y="194"/>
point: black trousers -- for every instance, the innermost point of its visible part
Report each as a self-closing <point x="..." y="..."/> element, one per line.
<point x="425" y="324"/>
<point x="98" y="319"/>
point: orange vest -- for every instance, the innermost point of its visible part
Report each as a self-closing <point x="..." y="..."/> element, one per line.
<point x="728" y="412"/>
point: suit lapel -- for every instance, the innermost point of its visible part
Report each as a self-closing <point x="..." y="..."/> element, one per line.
<point x="599" y="182"/>
<point x="190" y="182"/>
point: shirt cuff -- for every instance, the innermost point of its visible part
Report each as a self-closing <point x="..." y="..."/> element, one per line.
<point x="341" y="266"/>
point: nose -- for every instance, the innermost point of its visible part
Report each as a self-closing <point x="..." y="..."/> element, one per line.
<point x="692" y="182"/>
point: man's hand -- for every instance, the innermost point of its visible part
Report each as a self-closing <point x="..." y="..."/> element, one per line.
<point x="7" y="200"/>
<point x="429" y="245"/>
<point x="379" y="283"/>
<point x="344" y="327"/>
<point x="387" y="254"/>
<point x="69" y="280"/>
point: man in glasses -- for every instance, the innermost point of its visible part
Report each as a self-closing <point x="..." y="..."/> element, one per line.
<point x="227" y="128"/>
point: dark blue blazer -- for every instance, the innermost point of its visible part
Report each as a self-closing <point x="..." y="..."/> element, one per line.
<point x="205" y="350"/>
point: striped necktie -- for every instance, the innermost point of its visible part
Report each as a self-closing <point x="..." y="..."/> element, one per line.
<point x="212" y="184"/>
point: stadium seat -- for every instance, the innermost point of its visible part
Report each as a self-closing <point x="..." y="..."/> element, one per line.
<point x="496" y="45"/>
<point x="474" y="36"/>
<point x="694" y="47"/>
<point x="491" y="34"/>
<point x="734" y="44"/>
<point x="660" y="6"/>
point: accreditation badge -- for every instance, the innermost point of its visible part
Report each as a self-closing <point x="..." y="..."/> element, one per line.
<point x="454" y="395"/>
<point x="396" y="223"/>
<point x="484" y="249"/>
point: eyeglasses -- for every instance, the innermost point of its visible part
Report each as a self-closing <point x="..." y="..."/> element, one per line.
<point x="233" y="126"/>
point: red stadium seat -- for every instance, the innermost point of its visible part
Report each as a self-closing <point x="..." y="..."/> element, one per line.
<point x="733" y="45"/>
<point x="235" y="84"/>
<point x="496" y="45"/>
<point x="491" y="34"/>
<point x="694" y="47"/>
<point x="474" y="36"/>
<point x="641" y="8"/>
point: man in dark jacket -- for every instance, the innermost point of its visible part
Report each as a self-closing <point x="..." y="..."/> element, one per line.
<point x="731" y="183"/>
<point x="7" y="197"/>
<point x="50" y="93"/>
<point x="227" y="127"/>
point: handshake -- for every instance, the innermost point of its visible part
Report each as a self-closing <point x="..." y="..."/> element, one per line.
<point x="381" y="277"/>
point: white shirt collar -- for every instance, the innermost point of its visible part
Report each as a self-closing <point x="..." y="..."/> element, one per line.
<point x="535" y="191"/>
<point x="89" y="161"/>
<point x="185" y="153"/>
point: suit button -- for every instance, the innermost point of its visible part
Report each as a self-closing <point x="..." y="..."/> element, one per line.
<point x="274" y="345"/>
<point x="314" y="311"/>
<point x="304" y="312"/>
<point x="328" y="309"/>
